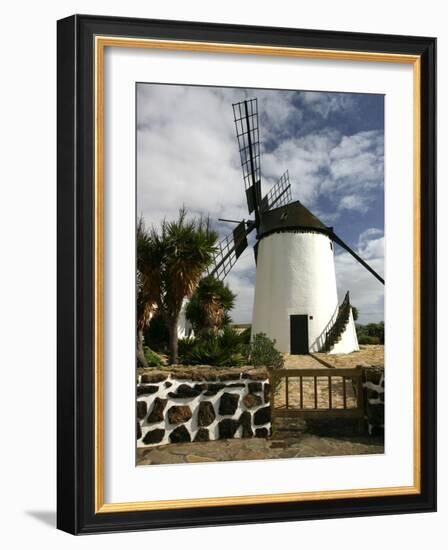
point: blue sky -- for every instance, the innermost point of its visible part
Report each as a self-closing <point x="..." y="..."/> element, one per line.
<point x="331" y="143"/>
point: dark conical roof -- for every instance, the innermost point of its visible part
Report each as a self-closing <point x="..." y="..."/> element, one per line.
<point x="293" y="217"/>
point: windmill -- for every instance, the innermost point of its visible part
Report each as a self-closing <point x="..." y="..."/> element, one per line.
<point x="295" y="299"/>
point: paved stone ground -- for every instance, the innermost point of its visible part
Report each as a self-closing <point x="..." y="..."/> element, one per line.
<point x="300" y="446"/>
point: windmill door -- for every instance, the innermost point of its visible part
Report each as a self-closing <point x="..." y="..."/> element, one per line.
<point x="299" y="334"/>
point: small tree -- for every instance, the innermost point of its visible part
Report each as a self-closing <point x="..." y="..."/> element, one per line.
<point x="209" y="306"/>
<point x="355" y="313"/>
<point x="183" y="250"/>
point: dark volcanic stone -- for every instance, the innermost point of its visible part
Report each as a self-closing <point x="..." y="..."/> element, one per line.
<point x="145" y="390"/>
<point x="261" y="432"/>
<point x="228" y="403"/>
<point x="191" y="374"/>
<point x="262" y="416"/>
<point x="255" y="387"/>
<point x="154" y="436"/>
<point x="246" y="423"/>
<point x="229" y="376"/>
<point x="153" y="377"/>
<point x="156" y="415"/>
<point x="236" y="385"/>
<point x="372" y="394"/>
<point x="184" y="390"/>
<point x="213" y="389"/>
<point x="142" y="409"/>
<point x="376" y="430"/>
<point x="178" y="414"/>
<point x="206" y="413"/>
<point x="168" y="384"/>
<point x="139" y="430"/>
<point x="373" y="374"/>
<point x="251" y="400"/>
<point x="202" y="435"/>
<point x="180" y="435"/>
<point x="227" y="428"/>
<point x="201" y="387"/>
<point x="267" y="392"/>
<point x="375" y="414"/>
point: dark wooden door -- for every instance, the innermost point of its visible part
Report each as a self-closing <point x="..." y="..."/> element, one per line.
<point x="299" y="334"/>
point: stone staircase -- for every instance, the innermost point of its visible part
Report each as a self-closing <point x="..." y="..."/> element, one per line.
<point x="334" y="334"/>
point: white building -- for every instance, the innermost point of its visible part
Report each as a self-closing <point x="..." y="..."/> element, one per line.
<point x="296" y="299"/>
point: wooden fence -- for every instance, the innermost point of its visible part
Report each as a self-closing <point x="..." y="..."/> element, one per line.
<point x="289" y="399"/>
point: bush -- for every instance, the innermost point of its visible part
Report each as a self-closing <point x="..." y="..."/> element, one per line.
<point x="368" y="340"/>
<point x="373" y="333"/>
<point x="225" y="349"/>
<point x="152" y="358"/>
<point x="263" y="353"/>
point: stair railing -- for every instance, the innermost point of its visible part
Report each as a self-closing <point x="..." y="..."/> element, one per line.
<point x="335" y="331"/>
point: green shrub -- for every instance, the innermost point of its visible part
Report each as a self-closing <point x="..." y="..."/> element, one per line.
<point x="373" y="333"/>
<point x="152" y="358"/>
<point x="263" y="353"/>
<point x="224" y="349"/>
<point x="368" y="340"/>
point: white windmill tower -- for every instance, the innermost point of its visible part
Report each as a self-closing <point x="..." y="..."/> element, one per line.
<point x="295" y="299"/>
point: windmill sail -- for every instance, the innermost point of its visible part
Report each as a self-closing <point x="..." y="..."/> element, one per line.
<point x="279" y="195"/>
<point x="345" y="246"/>
<point x="246" y="124"/>
<point x="229" y="250"/>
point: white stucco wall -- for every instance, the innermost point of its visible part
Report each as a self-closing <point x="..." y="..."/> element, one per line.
<point x="295" y="276"/>
<point x="349" y="339"/>
<point x="184" y="327"/>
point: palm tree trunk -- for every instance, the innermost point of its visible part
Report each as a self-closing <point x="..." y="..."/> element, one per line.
<point x="141" y="359"/>
<point x="172" y="330"/>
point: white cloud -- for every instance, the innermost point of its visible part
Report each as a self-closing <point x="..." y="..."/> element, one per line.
<point x="353" y="202"/>
<point x="366" y="292"/>
<point x="324" y="103"/>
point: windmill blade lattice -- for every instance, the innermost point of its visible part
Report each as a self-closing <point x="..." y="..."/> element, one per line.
<point x="229" y="250"/>
<point x="279" y="195"/>
<point x="246" y="124"/>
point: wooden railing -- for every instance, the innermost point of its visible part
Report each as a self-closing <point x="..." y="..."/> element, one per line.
<point x="294" y="404"/>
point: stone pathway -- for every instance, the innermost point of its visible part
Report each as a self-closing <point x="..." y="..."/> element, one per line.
<point x="300" y="446"/>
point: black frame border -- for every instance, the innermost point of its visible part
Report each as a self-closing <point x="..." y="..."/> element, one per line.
<point x="76" y="262"/>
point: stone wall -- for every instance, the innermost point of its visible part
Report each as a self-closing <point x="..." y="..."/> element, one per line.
<point x="201" y="404"/>
<point x="373" y="384"/>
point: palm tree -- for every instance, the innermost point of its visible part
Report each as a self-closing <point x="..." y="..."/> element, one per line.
<point x="148" y="284"/>
<point x="178" y="256"/>
<point x="209" y="306"/>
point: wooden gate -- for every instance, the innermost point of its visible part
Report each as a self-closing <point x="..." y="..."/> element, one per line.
<point x="317" y="393"/>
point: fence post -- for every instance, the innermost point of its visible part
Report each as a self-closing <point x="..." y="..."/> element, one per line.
<point x="360" y="398"/>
